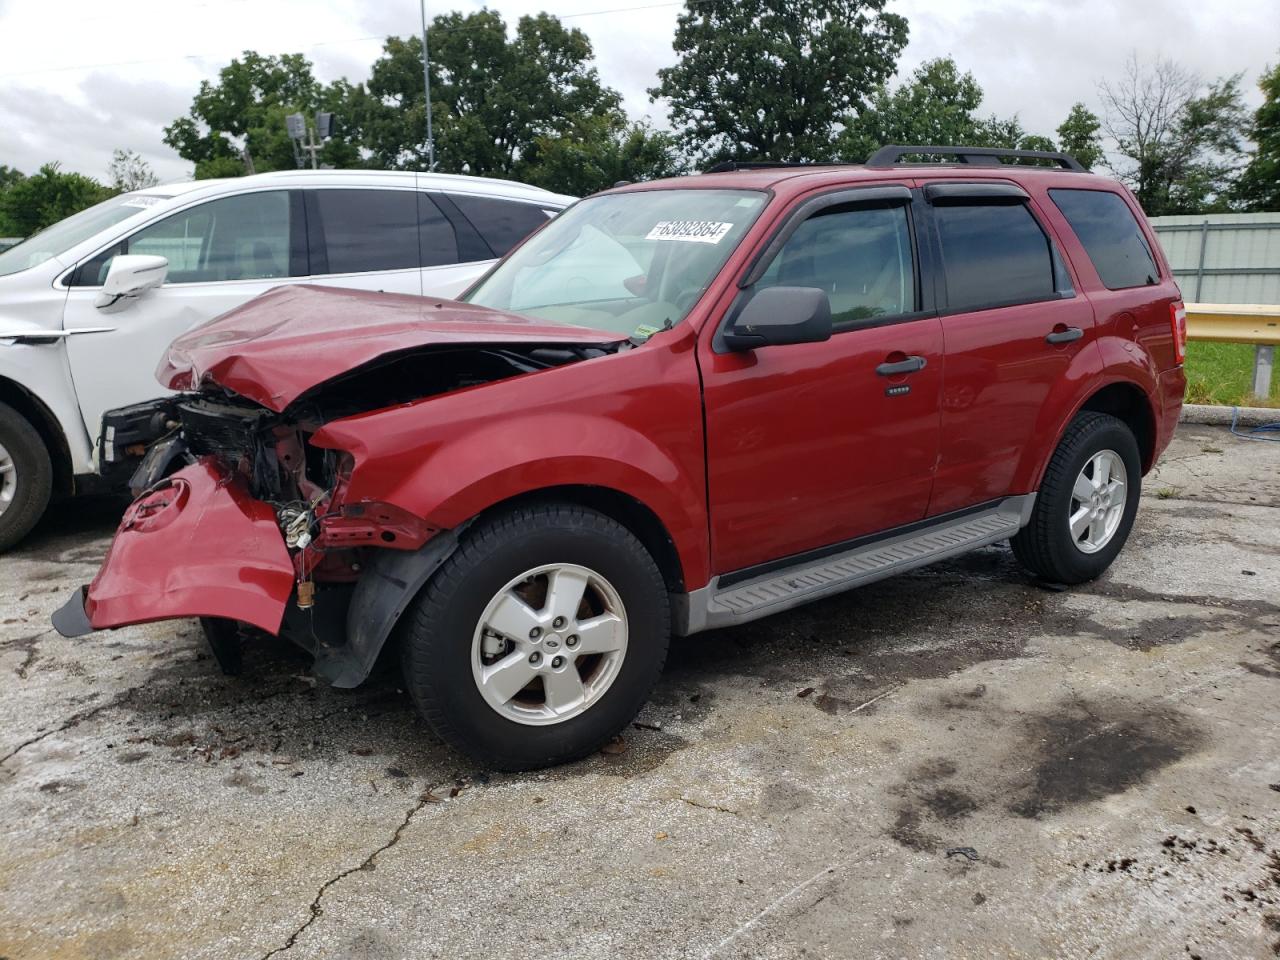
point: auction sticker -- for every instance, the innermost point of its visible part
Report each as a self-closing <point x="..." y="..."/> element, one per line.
<point x="690" y="231"/>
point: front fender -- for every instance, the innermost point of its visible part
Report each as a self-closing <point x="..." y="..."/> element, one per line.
<point x="40" y="370"/>
<point x="631" y="423"/>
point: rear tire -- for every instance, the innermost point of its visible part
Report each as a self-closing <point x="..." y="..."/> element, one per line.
<point x="26" y="477"/>
<point x="1078" y="525"/>
<point x="575" y="680"/>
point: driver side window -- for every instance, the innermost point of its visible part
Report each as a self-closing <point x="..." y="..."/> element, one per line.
<point x="233" y="238"/>
<point x="859" y="256"/>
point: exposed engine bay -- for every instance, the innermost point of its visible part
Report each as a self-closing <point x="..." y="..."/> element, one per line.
<point x="270" y="450"/>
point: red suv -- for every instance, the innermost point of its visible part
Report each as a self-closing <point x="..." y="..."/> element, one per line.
<point x="680" y="405"/>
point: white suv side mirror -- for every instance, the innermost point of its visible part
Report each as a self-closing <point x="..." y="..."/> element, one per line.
<point x="128" y="278"/>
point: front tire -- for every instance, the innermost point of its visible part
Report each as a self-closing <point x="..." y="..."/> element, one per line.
<point x="539" y="639"/>
<point x="1086" y="504"/>
<point x="26" y="477"/>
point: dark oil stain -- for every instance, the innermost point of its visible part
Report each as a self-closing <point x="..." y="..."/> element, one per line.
<point x="948" y="804"/>
<point x="1085" y="751"/>
<point x="924" y="796"/>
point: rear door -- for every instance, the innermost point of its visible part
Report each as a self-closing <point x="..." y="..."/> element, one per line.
<point x="1012" y="323"/>
<point x="812" y="444"/>
<point x="376" y="238"/>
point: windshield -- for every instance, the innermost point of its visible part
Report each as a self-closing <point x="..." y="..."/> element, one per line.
<point x="51" y="242"/>
<point x="632" y="263"/>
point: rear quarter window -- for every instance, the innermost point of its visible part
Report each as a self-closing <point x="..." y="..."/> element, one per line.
<point x="502" y="223"/>
<point x="1110" y="235"/>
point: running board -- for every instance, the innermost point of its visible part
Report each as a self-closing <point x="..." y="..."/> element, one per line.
<point x="810" y="579"/>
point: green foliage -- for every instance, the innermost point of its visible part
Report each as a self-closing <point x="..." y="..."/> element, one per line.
<point x="1259" y="186"/>
<point x="128" y="171"/>
<point x="1223" y="373"/>
<point x="1179" y="141"/>
<point x="1080" y="135"/>
<point x="495" y="99"/>
<point x="600" y="151"/>
<point x="33" y="203"/>
<point x="246" y="107"/>
<point x="775" y="79"/>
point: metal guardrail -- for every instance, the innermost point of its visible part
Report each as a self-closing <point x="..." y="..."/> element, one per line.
<point x="1258" y="324"/>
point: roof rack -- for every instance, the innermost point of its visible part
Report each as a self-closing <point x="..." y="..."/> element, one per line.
<point x="981" y="156"/>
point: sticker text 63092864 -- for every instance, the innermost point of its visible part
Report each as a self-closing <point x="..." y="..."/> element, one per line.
<point x="690" y="231"/>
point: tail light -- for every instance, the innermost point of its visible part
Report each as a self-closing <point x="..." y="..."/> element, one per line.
<point x="1178" y="323"/>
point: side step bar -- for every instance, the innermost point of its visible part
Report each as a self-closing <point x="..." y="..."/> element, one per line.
<point x="809" y="579"/>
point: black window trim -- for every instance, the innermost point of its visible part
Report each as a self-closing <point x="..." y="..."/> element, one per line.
<point x="539" y="205"/>
<point x="869" y="197"/>
<point x="1016" y="196"/>
<point x="463" y="230"/>
<point x="1142" y="233"/>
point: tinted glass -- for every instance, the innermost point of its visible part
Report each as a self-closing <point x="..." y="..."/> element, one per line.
<point x="234" y="238"/>
<point x="436" y="238"/>
<point x="502" y="223"/>
<point x="632" y="263"/>
<point x="1110" y="235"/>
<point x="993" y="254"/>
<point x="367" y="230"/>
<point x="861" y="257"/>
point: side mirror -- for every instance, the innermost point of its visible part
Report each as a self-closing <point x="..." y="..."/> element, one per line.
<point x="128" y="278"/>
<point x="780" y="315"/>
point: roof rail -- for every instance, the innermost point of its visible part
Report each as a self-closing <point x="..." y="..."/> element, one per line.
<point x="982" y="156"/>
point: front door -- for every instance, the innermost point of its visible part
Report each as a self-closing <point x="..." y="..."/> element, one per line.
<point x="809" y="445"/>
<point x="221" y="254"/>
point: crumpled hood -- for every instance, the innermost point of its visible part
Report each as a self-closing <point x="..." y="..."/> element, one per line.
<point x="278" y="346"/>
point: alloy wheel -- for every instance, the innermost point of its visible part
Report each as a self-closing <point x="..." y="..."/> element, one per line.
<point x="8" y="479"/>
<point x="549" y="644"/>
<point x="1098" y="500"/>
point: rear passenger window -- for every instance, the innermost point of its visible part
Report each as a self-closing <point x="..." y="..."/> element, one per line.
<point x="370" y="230"/>
<point x="502" y="223"/>
<point x="860" y="256"/>
<point x="1110" y="234"/>
<point x="994" y="254"/>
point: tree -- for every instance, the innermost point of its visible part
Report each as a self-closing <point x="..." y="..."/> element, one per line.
<point x="128" y="171"/>
<point x="33" y="203"/>
<point x="937" y="105"/>
<point x="1178" y="140"/>
<point x="1080" y="135"/>
<point x="600" y="151"/>
<point x="246" y="108"/>
<point x="1259" y="186"/>
<point x="775" y="79"/>
<point x="494" y="98"/>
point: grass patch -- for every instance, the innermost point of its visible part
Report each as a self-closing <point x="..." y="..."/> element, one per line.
<point x="1223" y="373"/>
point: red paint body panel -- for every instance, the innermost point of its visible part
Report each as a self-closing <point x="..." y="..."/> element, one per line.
<point x="196" y="546"/>
<point x="278" y="346"/>
<point x="630" y="422"/>
<point x="742" y="457"/>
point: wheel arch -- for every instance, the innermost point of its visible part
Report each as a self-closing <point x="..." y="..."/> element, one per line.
<point x="1127" y="402"/>
<point x="46" y="425"/>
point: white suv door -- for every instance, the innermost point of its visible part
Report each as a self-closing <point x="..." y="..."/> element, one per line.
<point x="221" y="253"/>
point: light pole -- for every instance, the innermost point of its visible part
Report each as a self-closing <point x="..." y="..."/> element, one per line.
<point x="426" y="86"/>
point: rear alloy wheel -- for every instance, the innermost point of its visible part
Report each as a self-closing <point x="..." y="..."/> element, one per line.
<point x="26" y="477"/>
<point x="1086" y="502"/>
<point x="539" y="638"/>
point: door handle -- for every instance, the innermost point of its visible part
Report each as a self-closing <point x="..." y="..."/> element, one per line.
<point x="909" y="365"/>
<point x="1065" y="335"/>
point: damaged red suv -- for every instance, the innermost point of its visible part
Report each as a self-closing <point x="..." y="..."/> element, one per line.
<point x="680" y="405"/>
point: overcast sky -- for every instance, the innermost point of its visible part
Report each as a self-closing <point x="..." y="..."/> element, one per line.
<point x="79" y="78"/>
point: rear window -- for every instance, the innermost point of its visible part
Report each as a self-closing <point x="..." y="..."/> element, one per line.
<point x="994" y="254"/>
<point x="502" y="223"/>
<point x="1110" y="234"/>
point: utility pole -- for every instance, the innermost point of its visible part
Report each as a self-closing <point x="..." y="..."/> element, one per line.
<point x="426" y="86"/>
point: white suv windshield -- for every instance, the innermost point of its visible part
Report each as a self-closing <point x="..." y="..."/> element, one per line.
<point x="51" y="242"/>
<point x="630" y="263"/>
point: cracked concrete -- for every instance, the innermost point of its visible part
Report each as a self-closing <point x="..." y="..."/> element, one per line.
<point x="1111" y="754"/>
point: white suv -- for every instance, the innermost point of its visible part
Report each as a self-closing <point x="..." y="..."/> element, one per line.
<point x="88" y="305"/>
